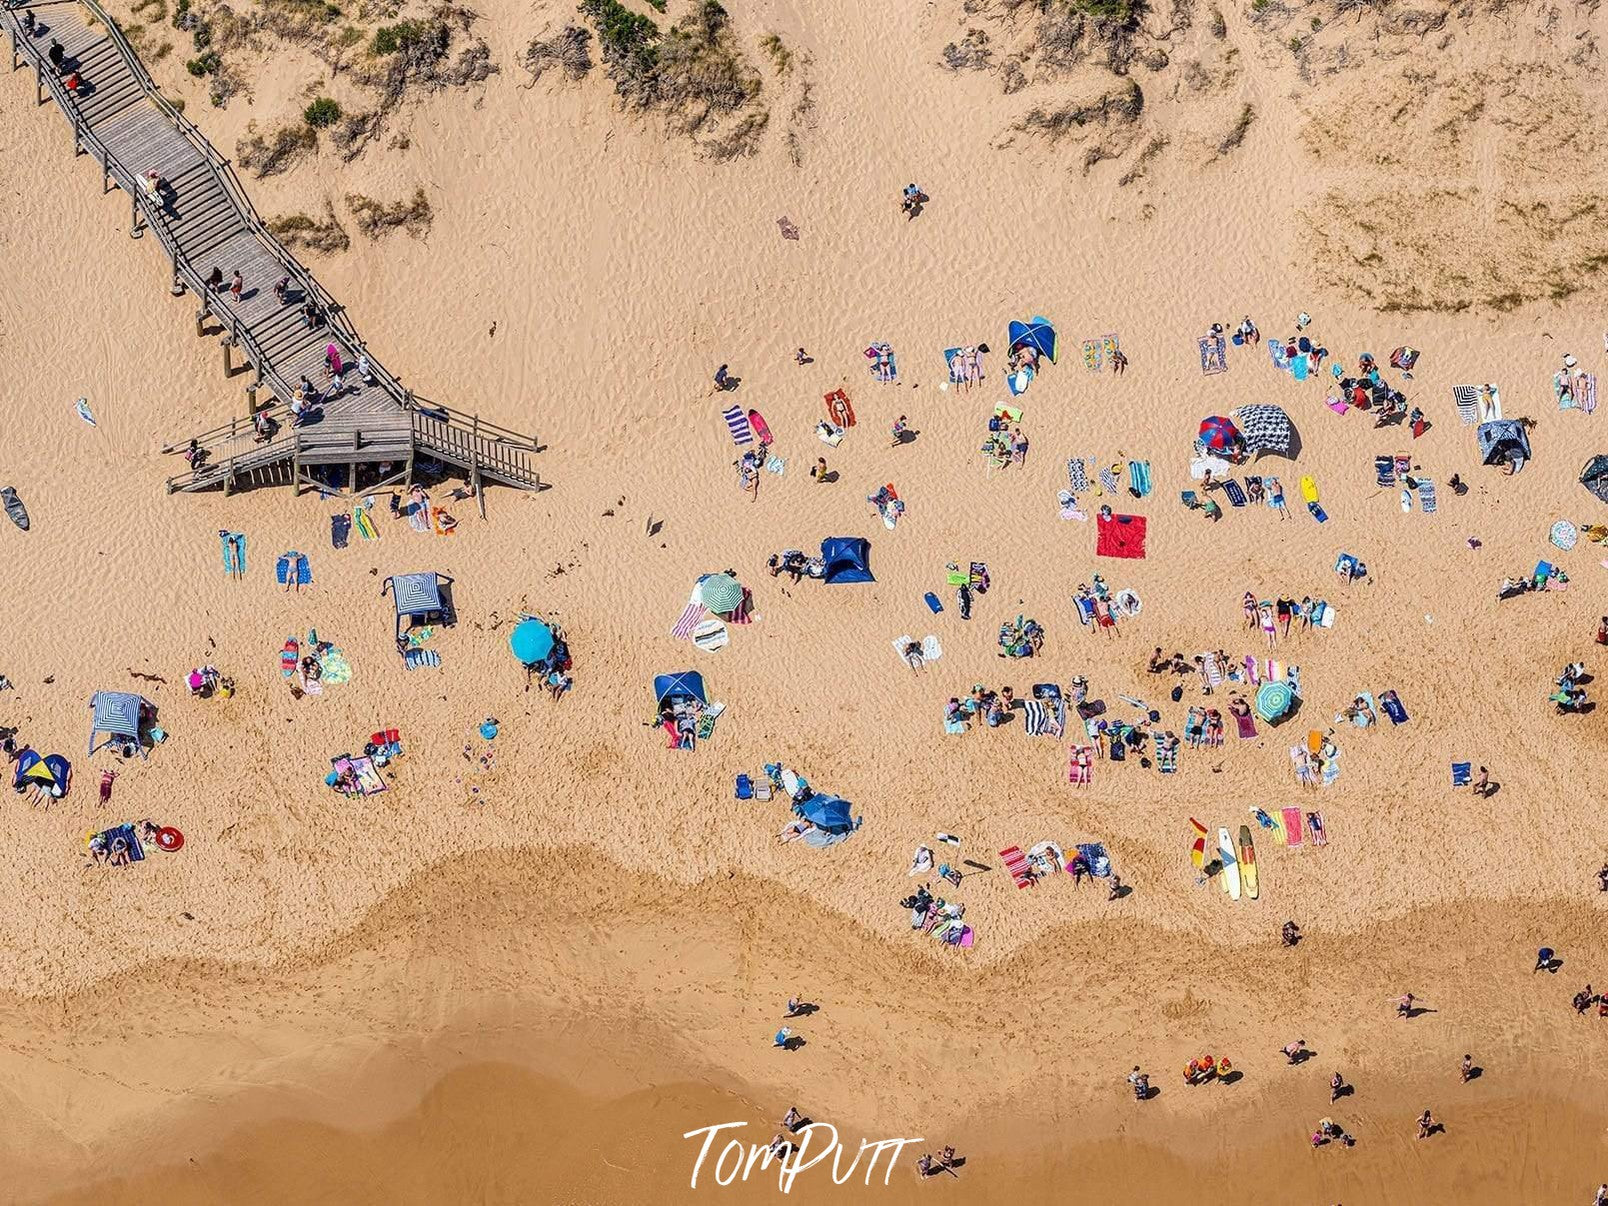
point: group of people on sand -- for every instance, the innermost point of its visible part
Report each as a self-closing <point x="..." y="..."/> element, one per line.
<point x="113" y="849"/>
<point x="1269" y="615"/>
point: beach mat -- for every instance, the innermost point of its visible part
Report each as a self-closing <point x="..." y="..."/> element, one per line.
<point x="1236" y="496"/>
<point x="1139" y="478"/>
<point x="414" y="658"/>
<point x="1292" y="826"/>
<point x="340" y="530"/>
<point x="1213" y="354"/>
<point x="1467" y="400"/>
<point x="737" y="424"/>
<point x="1247" y="726"/>
<point x="1120" y="536"/>
<point x="1016" y="864"/>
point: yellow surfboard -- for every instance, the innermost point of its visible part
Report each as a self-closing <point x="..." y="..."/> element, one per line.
<point x="1247" y="861"/>
<point x="1309" y="489"/>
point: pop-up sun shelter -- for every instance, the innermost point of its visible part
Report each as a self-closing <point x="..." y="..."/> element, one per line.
<point x="117" y="719"/>
<point x="827" y="813"/>
<point x="422" y="597"/>
<point x="684" y="684"/>
<point x="1594" y="477"/>
<point x="847" y="559"/>
<point x="1503" y="441"/>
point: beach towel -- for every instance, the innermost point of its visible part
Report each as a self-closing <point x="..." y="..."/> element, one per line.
<point x="1108" y="479"/>
<point x="1109" y="347"/>
<point x="1035" y="717"/>
<point x="1384" y="471"/>
<point x="681" y="630"/>
<point x="418" y="514"/>
<point x="1426" y="496"/>
<point x="1236" y="496"/>
<point x="1214" y="672"/>
<point x="1167" y="761"/>
<point x="340" y="530"/>
<point x="1077" y="475"/>
<point x="365" y="525"/>
<point x="1253" y="672"/>
<point x="1139" y="478"/>
<point x="931" y="650"/>
<point x="1467" y="398"/>
<point x="1093" y="354"/>
<point x="1080" y="765"/>
<point x="84" y="413"/>
<point x="710" y="636"/>
<point x="1462" y="774"/>
<point x="737" y="424"/>
<point x="1331" y="770"/>
<point x="1016" y="864"/>
<point x="1120" y="536"/>
<point x="414" y="658"/>
<point x="1247" y="726"/>
<point x="1585" y="391"/>
<point x="234" y="553"/>
<point x="1391" y="702"/>
<point x="1095" y="858"/>
<point x="1275" y="492"/>
<point x="1292" y="826"/>
<point x="369" y="779"/>
<point x="1213" y="354"/>
<point x="1564" y="534"/>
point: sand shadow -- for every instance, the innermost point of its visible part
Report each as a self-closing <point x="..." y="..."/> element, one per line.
<point x="1233" y="1078"/>
<point x="1343" y="1091"/>
<point x="1151" y="1092"/>
<point x="908" y="436"/>
<point x="1475" y="1073"/>
<point x="831" y="476"/>
<point x="1122" y="893"/>
<point x="975" y="865"/>
<point x="1491" y="789"/>
<point x="801" y="1124"/>
<point x="1419" y="1011"/>
<point x="793" y="1043"/>
<point x="1301" y="1056"/>
<point x="804" y="1009"/>
<point x="1553" y="965"/>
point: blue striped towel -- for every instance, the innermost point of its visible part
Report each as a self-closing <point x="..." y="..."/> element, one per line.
<point x="1139" y="477"/>
<point x="414" y="658"/>
<point x="1236" y="496"/>
<point x="1462" y="773"/>
<point x="1426" y="496"/>
<point x="1108" y="479"/>
<point x="737" y="424"/>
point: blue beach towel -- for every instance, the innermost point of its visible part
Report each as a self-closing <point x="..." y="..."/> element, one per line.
<point x="234" y="552"/>
<point x="1236" y="496"/>
<point x="1393" y="707"/>
<point x="1094" y="853"/>
<point x="1213" y="355"/>
<point x="1298" y="366"/>
<point x="340" y="530"/>
<point x="414" y="658"/>
<point x="737" y="424"/>
<point x="1462" y="773"/>
<point x="1139" y="477"/>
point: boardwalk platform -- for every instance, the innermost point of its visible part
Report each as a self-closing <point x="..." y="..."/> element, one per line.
<point x="203" y="220"/>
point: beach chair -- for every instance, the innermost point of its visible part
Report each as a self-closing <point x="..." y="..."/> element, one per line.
<point x="1080" y="766"/>
<point x="1016" y="863"/>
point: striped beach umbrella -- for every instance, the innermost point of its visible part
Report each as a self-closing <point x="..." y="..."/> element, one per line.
<point x="1218" y="434"/>
<point x="1273" y="701"/>
<point x="721" y="593"/>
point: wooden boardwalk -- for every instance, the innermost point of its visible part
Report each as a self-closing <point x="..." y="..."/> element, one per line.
<point x="204" y="221"/>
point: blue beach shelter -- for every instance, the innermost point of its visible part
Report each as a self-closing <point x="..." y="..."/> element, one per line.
<point x="828" y="813"/>
<point x="421" y="597"/>
<point x="847" y="559"/>
<point x="1036" y="333"/>
<point x="117" y="719"/>
<point x="682" y="683"/>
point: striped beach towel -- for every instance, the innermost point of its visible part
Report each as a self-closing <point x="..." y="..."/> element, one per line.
<point x="1236" y="496"/>
<point x="414" y="658"/>
<point x="1108" y="479"/>
<point x="1426" y="496"/>
<point x="682" y="629"/>
<point x="1035" y="717"/>
<point x="1077" y="474"/>
<point x="1292" y="826"/>
<point x="737" y="424"/>
<point x="1016" y="864"/>
<point x="1139" y="477"/>
<point x="1467" y="398"/>
<point x="1586" y="391"/>
<point x="1214" y="672"/>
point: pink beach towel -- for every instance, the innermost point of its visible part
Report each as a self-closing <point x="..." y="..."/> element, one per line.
<point x="1016" y="864"/>
<point x="1292" y="826"/>
<point x="1247" y="726"/>
<point x="682" y="630"/>
<point x="1251" y="670"/>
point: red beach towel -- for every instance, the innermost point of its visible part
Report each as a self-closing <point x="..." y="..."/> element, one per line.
<point x="1016" y="864"/>
<point x="1120" y="536"/>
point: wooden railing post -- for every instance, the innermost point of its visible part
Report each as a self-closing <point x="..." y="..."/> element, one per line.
<point x="228" y="369"/>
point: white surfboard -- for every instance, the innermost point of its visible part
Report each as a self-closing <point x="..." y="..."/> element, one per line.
<point x="1231" y="874"/>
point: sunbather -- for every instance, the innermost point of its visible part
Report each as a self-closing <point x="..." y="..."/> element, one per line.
<point x="794" y="829"/>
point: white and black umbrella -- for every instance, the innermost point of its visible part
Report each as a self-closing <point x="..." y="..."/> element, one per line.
<point x="1264" y="429"/>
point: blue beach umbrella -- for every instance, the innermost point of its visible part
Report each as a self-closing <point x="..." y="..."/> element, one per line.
<point x="1273" y="701"/>
<point x="531" y="641"/>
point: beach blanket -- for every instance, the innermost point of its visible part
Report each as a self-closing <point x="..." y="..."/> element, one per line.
<point x="365" y="525"/>
<point x="883" y="366"/>
<point x="1120" y="536"/>
<point x="1139" y="478"/>
<point x="1108" y="478"/>
<point x="1214" y="672"/>
<point x="1247" y="726"/>
<point x="369" y="779"/>
<point x="1564" y="534"/>
<point x="1384" y="471"/>
<point x="1077" y="476"/>
<point x="1016" y="864"/>
<point x="1585" y="391"/>
<point x="1236" y="496"/>
<point x="737" y="424"/>
<point x="1109" y="347"/>
<point x="1080" y="765"/>
<point x="340" y="530"/>
<point x="334" y="668"/>
<point x="1467" y="399"/>
<point x="1167" y="761"/>
<point x="1213" y="354"/>
<point x="1096" y="858"/>
<point x="1035" y="717"/>
<point x="414" y="658"/>
<point x="1292" y="826"/>
<point x="1093" y="354"/>
<point x="1426" y="496"/>
<point x="1462" y="774"/>
<point x="1331" y="770"/>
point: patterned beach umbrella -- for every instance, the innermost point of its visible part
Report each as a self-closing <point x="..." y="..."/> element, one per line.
<point x="1265" y="429"/>
<point x="1273" y="701"/>
<point x="721" y="593"/>
<point x="1218" y="434"/>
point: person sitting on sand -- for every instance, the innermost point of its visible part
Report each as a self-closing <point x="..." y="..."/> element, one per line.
<point x="1404" y="1006"/>
<point x="1582" y="1000"/>
<point x="1295" y="1052"/>
<point x="1602" y="878"/>
<point x="924" y="1167"/>
<point x="1426" y="1124"/>
<point x="1290" y="934"/>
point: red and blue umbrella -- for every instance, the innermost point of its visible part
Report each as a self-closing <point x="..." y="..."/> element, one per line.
<point x="1218" y="434"/>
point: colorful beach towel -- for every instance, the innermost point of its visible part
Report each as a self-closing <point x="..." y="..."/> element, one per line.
<point x="1236" y="495"/>
<point x="681" y="630"/>
<point x="365" y="525"/>
<point x="1247" y="726"/>
<point x="1077" y="475"/>
<point x="1016" y="863"/>
<point x="1109" y="347"/>
<point x="414" y="658"/>
<point x="1292" y="826"/>
<point x="737" y="424"/>
<point x="1139" y="478"/>
<point x="1426" y="495"/>
<point x="1213" y="354"/>
<point x="1093" y="355"/>
<point x="1095" y="858"/>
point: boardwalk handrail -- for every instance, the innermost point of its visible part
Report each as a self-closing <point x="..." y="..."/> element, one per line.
<point x="513" y="440"/>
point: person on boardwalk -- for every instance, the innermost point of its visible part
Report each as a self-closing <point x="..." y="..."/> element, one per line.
<point x="215" y="279"/>
<point x="237" y="286"/>
<point x="282" y="290"/>
<point x="57" y="55"/>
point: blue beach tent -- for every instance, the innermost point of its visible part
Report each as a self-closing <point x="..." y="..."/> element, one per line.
<point x="847" y="559"/>
<point x="682" y="682"/>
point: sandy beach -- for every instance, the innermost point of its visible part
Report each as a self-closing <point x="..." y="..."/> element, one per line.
<point x="528" y="967"/>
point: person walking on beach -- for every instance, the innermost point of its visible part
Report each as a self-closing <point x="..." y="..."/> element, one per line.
<point x="1336" y="1085"/>
<point x="1426" y="1125"/>
<point x="237" y="286"/>
<point x="1602" y="1196"/>
<point x="900" y="427"/>
<point x="801" y="357"/>
<point x="1543" y="959"/>
<point x="1290" y="934"/>
<point x="1465" y="1071"/>
<point x="723" y="377"/>
<point x="819" y="471"/>
<point x="1404" y="1006"/>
